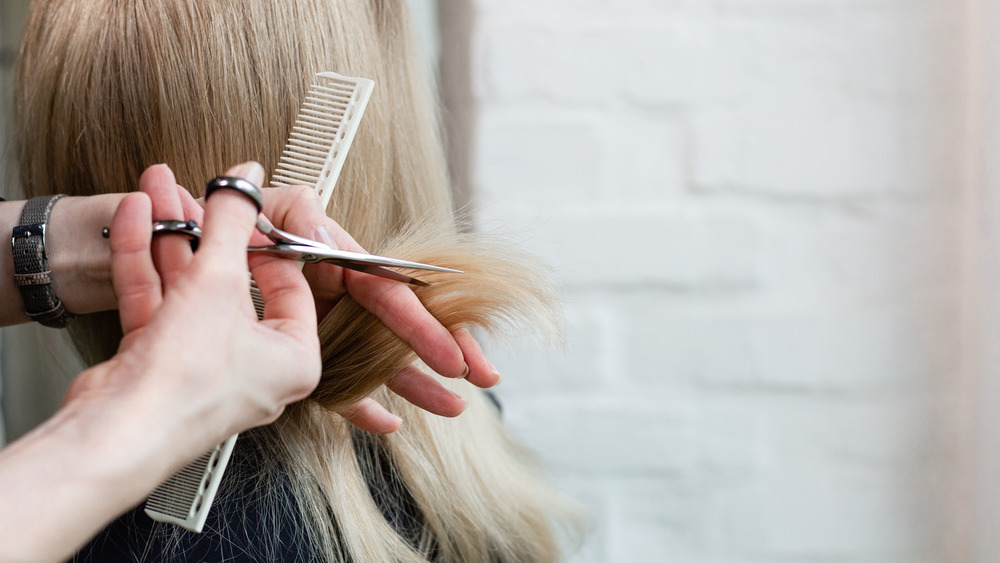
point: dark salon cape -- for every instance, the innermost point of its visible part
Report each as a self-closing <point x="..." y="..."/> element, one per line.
<point x="237" y="529"/>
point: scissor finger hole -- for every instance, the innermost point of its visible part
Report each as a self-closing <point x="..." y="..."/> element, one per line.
<point x="189" y="229"/>
<point x="241" y="185"/>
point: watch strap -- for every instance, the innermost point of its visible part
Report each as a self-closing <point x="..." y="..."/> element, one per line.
<point x="31" y="269"/>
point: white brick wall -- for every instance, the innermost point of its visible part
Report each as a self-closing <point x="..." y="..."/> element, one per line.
<point x="756" y="207"/>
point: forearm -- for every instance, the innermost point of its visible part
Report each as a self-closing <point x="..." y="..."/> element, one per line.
<point x="64" y="481"/>
<point x="79" y="257"/>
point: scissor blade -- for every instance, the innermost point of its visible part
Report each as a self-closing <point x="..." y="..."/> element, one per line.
<point x="315" y="254"/>
<point x="284" y="237"/>
<point x="286" y="251"/>
<point x="378" y="271"/>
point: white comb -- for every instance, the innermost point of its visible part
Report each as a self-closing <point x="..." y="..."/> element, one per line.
<point x="184" y="498"/>
<point x="323" y="133"/>
<point x="314" y="156"/>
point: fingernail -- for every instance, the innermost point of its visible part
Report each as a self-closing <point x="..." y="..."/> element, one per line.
<point x="457" y="396"/>
<point x="322" y="234"/>
<point x="251" y="171"/>
<point x="465" y="373"/>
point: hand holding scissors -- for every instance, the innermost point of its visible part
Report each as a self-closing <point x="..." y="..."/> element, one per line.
<point x="450" y="354"/>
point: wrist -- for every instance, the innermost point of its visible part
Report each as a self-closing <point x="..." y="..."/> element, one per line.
<point x="80" y="469"/>
<point x="111" y="437"/>
<point x="148" y="424"/>
<point x="79" y="257"/>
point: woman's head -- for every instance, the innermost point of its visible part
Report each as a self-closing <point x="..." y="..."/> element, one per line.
<point x="106" y="88"/>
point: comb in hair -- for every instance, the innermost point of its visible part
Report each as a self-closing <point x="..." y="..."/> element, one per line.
<point x="323" y="133"/>
<point x="184" y="498"/>
<point x="314" y="156"/>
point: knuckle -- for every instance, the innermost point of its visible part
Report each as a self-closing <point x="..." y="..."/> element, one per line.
<point x="223" y="276"/>
<point x="304" y="194"/>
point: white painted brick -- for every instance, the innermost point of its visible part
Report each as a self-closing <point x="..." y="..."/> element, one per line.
<point x="904" y="54"/>
<point x="808" y="150"/>
<point x="596" y="497"/>
<point x="934" y="142"/>
<point x="903" y="432"/>
<point x="546" y="10"/>
<point x="811" y="512"/>
<point x="777" y="8"/>
<point x="679" y="62"/>
<point x="760" y="367"/>
<point x="590" y="360"/>
<point x="560" y="12"/>
<point x="666" y="345"/>
<point x="657" y="520"/>
<point x="646" y="158"/>
<point x="782" y="7"/>
<point x="704" y="60"/>
<point x="843" y="254"/>
<point x="540" y="62"/>
<point x="832" y="350"/>
<point x="637" y="431"/>
<point x="539" y="158"/>
<point x="584" y="434"/>
<point x="860" y="350"/>
<point x="560" y="158"/>
<point x="683" y="249"/>
<point x="512" y="61"/>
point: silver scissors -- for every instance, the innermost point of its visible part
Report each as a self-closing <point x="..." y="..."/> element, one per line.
<point x="287" y="245"/>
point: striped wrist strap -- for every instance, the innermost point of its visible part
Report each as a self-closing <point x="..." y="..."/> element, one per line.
<point x="31" y="269"/>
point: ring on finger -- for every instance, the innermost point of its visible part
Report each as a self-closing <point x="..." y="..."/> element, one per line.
<point x="241" y="185"/>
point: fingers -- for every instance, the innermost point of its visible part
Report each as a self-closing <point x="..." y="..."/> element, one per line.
<point x="135" y="279"/>
<point x="481" y="371"/>
<point x="297" y="209"/>
<point x="230" y="218"/>
<point x="285" y="291"/>
<point x="424" y="391"/>
<point x="171" y="254"/>
<point x="192" y="209"/>
<point x="400" y="309"/>
<point x="368" y="414"/>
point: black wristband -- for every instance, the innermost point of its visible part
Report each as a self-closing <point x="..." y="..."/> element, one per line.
<point x="31" y="268"/>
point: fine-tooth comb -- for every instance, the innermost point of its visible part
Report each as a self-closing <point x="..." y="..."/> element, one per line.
<point x="314" y="156"/>
<point x="323" y="133"/>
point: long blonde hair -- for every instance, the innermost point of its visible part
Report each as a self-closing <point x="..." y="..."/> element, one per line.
<point x="106" y="88"/>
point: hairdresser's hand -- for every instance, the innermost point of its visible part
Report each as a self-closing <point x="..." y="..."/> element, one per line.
<point x="452" y="354"/>
<point x="190" y="330"/>
<point x="298" y="210"/>
<point x="194" y="367"/>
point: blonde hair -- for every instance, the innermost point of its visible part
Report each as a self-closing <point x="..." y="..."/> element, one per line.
<point x="106" y="88"/>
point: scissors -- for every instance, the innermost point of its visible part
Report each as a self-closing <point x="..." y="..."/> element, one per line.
<point x="287" y="245"/>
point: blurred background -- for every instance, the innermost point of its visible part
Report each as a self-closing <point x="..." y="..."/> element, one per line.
<point x="775" y="224"/>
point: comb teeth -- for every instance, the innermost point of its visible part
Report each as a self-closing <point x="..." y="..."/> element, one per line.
<point x="323" y="133"/>
<point x="257" y="298"/>
<point x="184" y="498"/>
